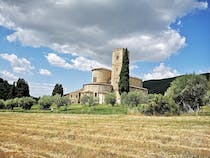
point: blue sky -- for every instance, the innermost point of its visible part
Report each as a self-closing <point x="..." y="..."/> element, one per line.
<point x="63" y="42"/>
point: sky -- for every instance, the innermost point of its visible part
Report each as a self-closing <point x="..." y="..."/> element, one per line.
<point x="60" y="41"/>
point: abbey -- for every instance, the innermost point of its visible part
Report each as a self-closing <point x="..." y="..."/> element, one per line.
<point x="105" y="81"/>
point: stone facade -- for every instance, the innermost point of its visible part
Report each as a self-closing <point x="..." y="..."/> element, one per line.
<point x="105" y="81"/>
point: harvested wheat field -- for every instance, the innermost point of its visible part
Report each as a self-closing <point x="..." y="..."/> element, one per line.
<point x="65" y="135"/>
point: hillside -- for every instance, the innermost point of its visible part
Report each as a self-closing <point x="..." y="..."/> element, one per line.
<point x="160" y="86"/>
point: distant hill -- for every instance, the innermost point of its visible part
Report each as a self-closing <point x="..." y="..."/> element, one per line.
<point x="160" y="86"/>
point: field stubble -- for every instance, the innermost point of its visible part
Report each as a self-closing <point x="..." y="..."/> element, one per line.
<point x="66" y="135"/>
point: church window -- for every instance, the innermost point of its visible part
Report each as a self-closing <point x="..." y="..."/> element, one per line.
<point x="117" y="57"/>
<point x="94" y="79"/>
<point x="95" y="94"/>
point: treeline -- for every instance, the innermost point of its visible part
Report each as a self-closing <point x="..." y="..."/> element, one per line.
<point x="44" y="103"/>
<point x="17" y="89"/>
<point x="160" y="86"/>
<point x="187" y="93"/>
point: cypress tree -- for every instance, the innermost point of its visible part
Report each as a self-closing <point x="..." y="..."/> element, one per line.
<point x="22" y="88"/>
<point x="58" y="89"/>
<point x="124" y="74"/>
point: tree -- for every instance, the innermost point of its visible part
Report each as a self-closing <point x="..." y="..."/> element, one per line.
<point x="2" y="106"/>
<point x="159" y="104"/>
<point x="61" y="101"/>
<point x="12" y="92"/>
<point x="11" y="103"/>
<point x="89" y="100"/>
<point x="22" y="88"/>
<point x="45" y="102"/>
<point x="4" y="89"/>
<point x="26" y="102"/>
<point x="133" y="98"/>
<point x="124" y="74"/>
<point x="110" y="98"/>
<point x="188" y="91"/>
<point x="58" y="89"/>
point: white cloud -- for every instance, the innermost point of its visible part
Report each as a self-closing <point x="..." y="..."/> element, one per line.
<point x="40" y="89"/>
<point x="8" y="76"/>
<point x="91" y="29"/>
<point x="161" y="72"/>
<point x="152" y="47"/>
<point x="79" y="63"/>
<point x="44" y="72"/>
<point x="19" y="65"/>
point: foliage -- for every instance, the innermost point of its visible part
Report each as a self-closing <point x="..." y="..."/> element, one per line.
<point x="124" y="74"/>
<point x="22" y="88"/>
<point x="45" y="102"/>
<point x="11" y="103"/>
<point x="26" y="102"/>
<point x="110" y="98"/>
<point x="12" y="92"/>
<point x="133" y="98"/>
<point x="159" y="104"/>
<point x="89" y="100"/>
<point x="58" y="89"/>
<point x="188" y="92"/>
<point x="124" y="98"/>
<point x="61" y="101"/>
<point x="161" y="86"/>
<point x="2" y="106"/>
<point x="4" y="89"/>
<point x="206" y="97"/>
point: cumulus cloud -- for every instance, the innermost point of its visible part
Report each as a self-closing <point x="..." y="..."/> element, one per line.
<point x="90" y="30"/>
<point x="19" y="65"/>
<point x="8" y="76"/>
<point x="40" y="89"/>
<point x="161" y="72"/>
<point x="44" y="72"/>
<point x="79" y="63"/>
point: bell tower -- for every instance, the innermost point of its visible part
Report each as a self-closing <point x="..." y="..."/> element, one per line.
<point x="117" y="61"/>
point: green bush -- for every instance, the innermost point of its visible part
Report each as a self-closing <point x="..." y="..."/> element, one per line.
<point x="26" y="102"/>
<point x="61" y="101"/>
<point x="124" y="99"/>
<point x="2" y="106"/>
<point x="188" y="92"/>
<point x="133" y="98"/>
<point x="110" y="98"/>
<point x="160" y="105"/>
<point x="11" y="103"/>
<point x="89" y="100"/>
<point x="45" y="102"/>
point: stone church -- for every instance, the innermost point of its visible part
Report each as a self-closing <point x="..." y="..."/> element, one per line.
<point x="105" y="81"/>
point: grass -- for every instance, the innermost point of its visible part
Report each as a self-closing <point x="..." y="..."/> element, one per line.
<point x="65" y="135"/>
<point x="76" y="109"/>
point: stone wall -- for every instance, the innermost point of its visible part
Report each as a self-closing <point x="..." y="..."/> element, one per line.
<point x="75" y="96"/>
<point x="101" y="75"/>
<point x="137" y="82"/>
<point x="97" y="90"/>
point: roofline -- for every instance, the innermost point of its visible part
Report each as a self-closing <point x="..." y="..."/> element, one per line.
<point x="101" y="68"/>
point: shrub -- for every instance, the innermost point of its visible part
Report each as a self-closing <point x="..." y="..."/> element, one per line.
<point x="110" y="98"/>
<point x="133" y="98"/>
<point x="188" y="92"/>
<point x="158" y="104"/>
<point x="26" y="102"/>
<point x="45" y="102"/>
<point x="124" y="99"/>
<point x="61" y="101"/>
<point x="2" y="106"/>
<point x="89" y="100"/>
<point x="11" y="103"/>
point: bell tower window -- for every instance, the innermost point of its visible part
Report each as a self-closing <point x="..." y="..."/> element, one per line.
<point x="94" y="79"/>
<point x="117" y="57"/>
